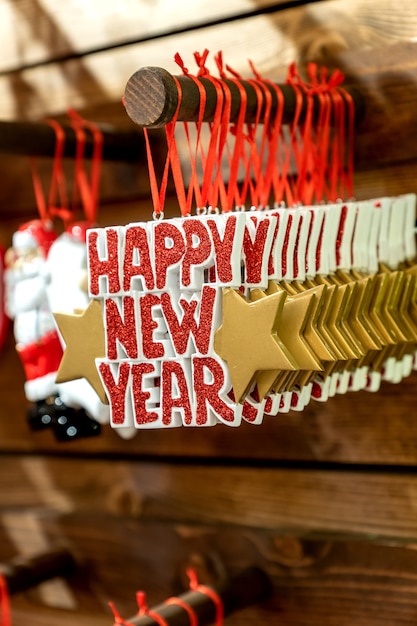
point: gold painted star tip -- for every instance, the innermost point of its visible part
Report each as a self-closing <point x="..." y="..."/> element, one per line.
<point x="84" y="337"/>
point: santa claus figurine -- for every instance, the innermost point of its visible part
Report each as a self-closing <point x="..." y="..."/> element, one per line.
<point x="27" y="281"/>
<point x="26" y="302"/>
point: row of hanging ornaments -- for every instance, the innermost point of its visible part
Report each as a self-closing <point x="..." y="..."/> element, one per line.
<point x="226" y="314"/>
<point x="46" y="270"/>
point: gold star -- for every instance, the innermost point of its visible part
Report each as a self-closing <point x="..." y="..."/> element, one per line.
<point x="349" y="332"/>
<point x="295" y="315"/>
<point x="85" y="341"/>
<point x="412" y="310"/>
<point x="336" y="322"/>
<point x="404" y="306"/>
<point x="360" y="320"/>
<point x="326" y="310"/>
<point x="381" y="284"/>
<point x="315" y="340"/>
<point x="394" y="309"/>
<point x="248" y="341"/>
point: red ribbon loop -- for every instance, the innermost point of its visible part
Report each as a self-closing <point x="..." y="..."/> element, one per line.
<point x="201" y="59"/>
<point x="208" y="591"/>
<point x="178" y="60"/>
<point x="6" y="618"/>
<point x="88" y="187"/>
<point x="187" y="608"/>
<point x="144" y="610"/>
<point x="118" y="619"/>
<point x="57" y="187"/>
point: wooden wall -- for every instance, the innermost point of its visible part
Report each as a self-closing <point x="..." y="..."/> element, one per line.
<point x="324" y="500"/>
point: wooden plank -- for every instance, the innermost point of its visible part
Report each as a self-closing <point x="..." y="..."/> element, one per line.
<point x="320" y="503"/>
<point x="100" y="78"/>
<point x="389" y="180"/>
<point x="317" y="32"/>
<point x="38" y="31"/>
<point x="388" y="130"/>
<point x="313" y="582"/>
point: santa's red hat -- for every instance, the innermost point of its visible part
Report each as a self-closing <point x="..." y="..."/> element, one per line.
<point x="78" y="231"/>
<point x="34" y="234"/>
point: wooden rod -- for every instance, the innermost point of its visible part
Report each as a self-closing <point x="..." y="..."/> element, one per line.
<point x="24" y="573"/>
<point x="246" y="588"/>
<point x="38" y="139"/>
<point x="151" y="99"/>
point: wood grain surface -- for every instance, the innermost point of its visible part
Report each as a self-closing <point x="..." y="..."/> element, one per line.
<point x="320" y="32"/>
<point x="36" y="31"/>
<point x="315" y="582"/>
<point x="342" y="502"/>
<point x="324" y="500"/>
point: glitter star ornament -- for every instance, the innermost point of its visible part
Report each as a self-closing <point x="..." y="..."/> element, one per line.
<point x="248" y="340"/>
<point x="84" y="337"/>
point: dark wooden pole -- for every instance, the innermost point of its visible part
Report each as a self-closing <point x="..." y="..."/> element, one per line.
<point x="248" y="587"/>
<point x="151" y="99"/>
<point x="38" y="139"/>
<point x="24" y="573"/>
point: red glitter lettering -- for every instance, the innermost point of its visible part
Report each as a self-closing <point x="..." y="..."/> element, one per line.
<point x="254" y="250"/>
<point x="194" y="255"/>
<point x="121" y="328"/>
<point x="223" y="247"/>
<point x="140" y="397"/>
<point x="116" y="390"/>
<point x="151" y="349"/>
<point x="295" y="254"/>
<point x="339" y="238"/>
<point x="316" y="390"/>
<point x="181" y="330"/>
<point x="104" y="267"/>
<point x="271" y="264"/>
<point x="136" y="242"/>
<point x="249" y="412"/>
<point x="171" y="369"/>
<point x="165" y="255"/>
<point x="207" y="394"/>
<point x="285" y="247"/>
<point x="319" y="244"/>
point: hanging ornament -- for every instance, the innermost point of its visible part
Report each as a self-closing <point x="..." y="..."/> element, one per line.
<point x="233" y="314"/>
<point x="68" y="290"/>
<point x="26" y="302"/>
<point x="32" y="264"/>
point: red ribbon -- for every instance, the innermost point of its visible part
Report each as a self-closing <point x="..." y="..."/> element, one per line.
<point x="6" y="618"/>
<point x="88" y="188"/>
<point x="47" y="209"/>
<point x="143" y="609"/>
<point x="187" y="608"/>
<point x="208" y="591"/>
